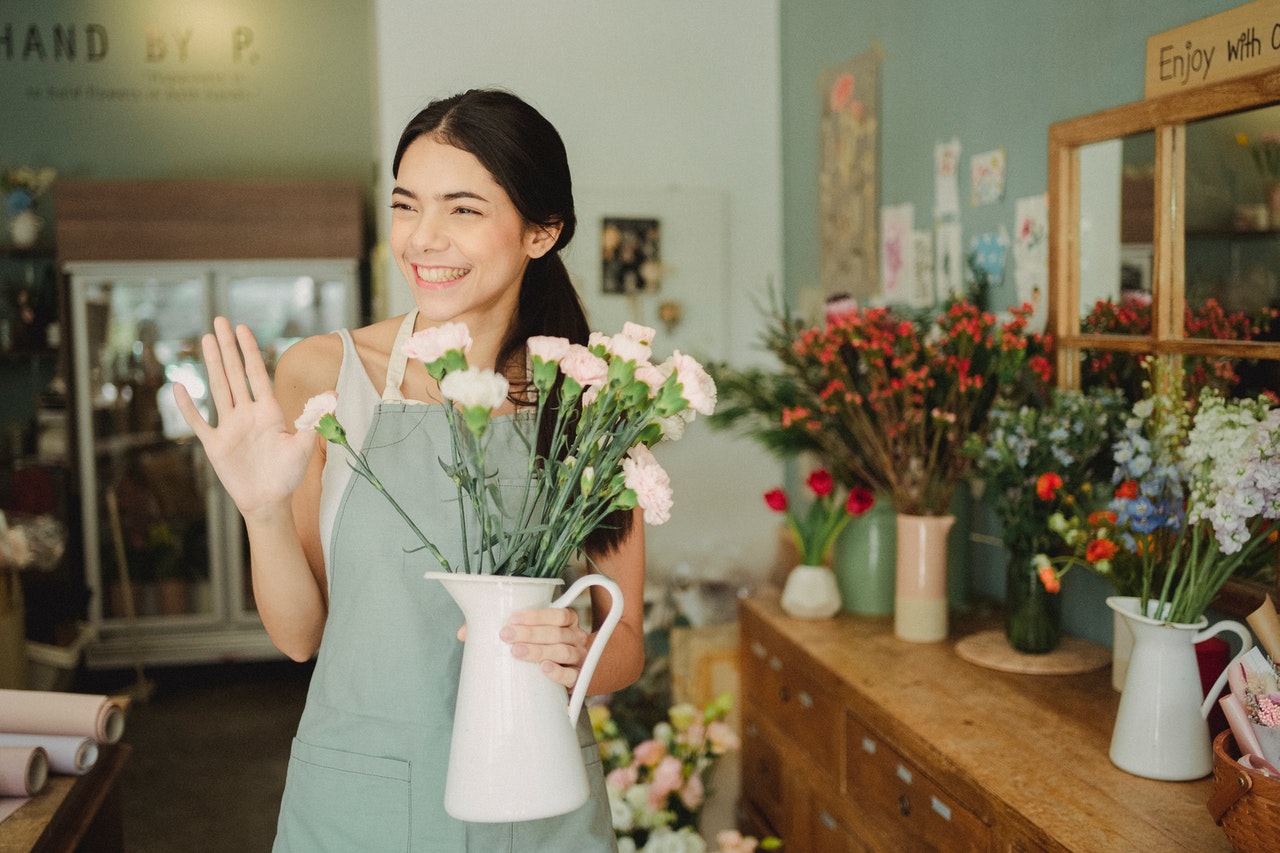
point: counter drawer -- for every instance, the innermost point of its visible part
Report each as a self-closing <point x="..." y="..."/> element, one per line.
<point x="901" y="800"/>
<point x="790" y="696"/>
<point x="763" y="772"/>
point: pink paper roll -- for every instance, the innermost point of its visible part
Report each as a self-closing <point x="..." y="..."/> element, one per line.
<point x="23" y="770"/>
<point x="41" y="712"/>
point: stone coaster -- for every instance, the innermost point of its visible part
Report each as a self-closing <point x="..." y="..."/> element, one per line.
<point x="990" y="649"/>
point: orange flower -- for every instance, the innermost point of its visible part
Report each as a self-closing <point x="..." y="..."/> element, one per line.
<point x="1047" y="485"/>
<point x="1050" y="579"/>
<point x="1099" y="549"/>
<point x="1102" y="517"/>
<point x="1127" y="490"/>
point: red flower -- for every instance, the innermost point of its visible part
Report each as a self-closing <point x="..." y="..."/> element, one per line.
<point x="1050" y="579"/>
<point x="821" y="482"/>
<point x="860" y="500"/>
<point x="1102" y="517"/>
<point x="1047" y="485"/>
<point x="1099" y="549"/>
<point x="1128" y="490"/>
<point x="776" y="499"/>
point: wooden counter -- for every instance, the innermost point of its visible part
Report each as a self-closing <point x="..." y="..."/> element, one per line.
<point x="855" y="740"/>
<point x="72" y="813"/>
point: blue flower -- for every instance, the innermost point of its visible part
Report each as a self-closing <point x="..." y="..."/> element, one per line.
<point x="18" y="200"/>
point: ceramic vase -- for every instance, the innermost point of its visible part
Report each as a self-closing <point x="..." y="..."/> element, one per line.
<point x="1161" y="730"/>
<point x="920" y="598"/>
<point x="514" y="755"/>
<point x="811" y="593"/>
<point x="864" y="561"/>
<point x="24" y="228"/>
<point x="1032" y="614"/>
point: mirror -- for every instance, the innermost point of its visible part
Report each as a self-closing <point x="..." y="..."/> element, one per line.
<point x="1164" y="238"/>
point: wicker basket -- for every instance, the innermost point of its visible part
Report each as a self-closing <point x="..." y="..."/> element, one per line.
<point x="1245" y="803"/>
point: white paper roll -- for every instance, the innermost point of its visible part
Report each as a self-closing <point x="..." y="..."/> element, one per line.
<point x="23" y="770"/>
<point x="70" y="755"/>
<point x="43" y="712"/>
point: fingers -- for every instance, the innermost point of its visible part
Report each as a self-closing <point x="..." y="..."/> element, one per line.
<point x="259" y="381"/>
<point x="232" y="361"/>
<point x="190" y="414"/>
<point x="551" y="638"/>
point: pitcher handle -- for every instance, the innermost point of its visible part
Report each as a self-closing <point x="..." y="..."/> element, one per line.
<point x="1212" y="631"/>
<point x="579" y="694"/>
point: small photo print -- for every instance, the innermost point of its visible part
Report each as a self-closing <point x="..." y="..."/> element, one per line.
<point x="631" y="256"/>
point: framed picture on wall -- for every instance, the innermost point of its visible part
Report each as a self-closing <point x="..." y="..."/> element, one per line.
<point x="631" y="256"/>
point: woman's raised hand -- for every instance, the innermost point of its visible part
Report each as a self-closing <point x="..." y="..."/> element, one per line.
<point x="256" y="455"/>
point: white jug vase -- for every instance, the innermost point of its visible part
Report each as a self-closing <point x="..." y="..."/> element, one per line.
<point x="1161" y="730"/>
<point x="514" y="754"/>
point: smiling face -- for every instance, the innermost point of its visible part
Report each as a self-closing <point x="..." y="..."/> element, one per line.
<point x="458" y="240"/>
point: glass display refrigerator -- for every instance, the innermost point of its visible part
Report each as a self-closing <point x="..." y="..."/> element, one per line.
<point x="165" y="549"/>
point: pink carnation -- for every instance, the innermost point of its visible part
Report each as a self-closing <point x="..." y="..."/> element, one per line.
<point x="628" y="349"/>
<point x="584" y="367"/>
<point x="693" y="792"/>
<point x="431" y="344"/>
<point x="548" y="348"/>
<point x="699" y="387"/>
<point x="637" y="332"/>
<point x="667" y="777"/>
<point x="652" y="375"/>
<point x="649" y="753"/>
<point x="644" y="476"/>
<point x="722" y="737"/>
<point x="623" y="778"/>
<point x="322" y="404"/>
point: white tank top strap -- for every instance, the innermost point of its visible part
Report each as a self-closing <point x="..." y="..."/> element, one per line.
<point x="397" y="360"/>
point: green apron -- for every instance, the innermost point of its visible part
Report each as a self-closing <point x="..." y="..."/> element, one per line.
<point x="367" y="767"/>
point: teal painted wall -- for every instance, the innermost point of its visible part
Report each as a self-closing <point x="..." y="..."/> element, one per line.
<point x="198" y="89"/>
<point x="994" y="74"/>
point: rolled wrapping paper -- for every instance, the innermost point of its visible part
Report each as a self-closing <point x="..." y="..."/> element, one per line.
<point x="42" y="712"/>
<point x="1241" y="727"/>
<point x="70" y="755"/>
<point x="23" y="770"/>
<point x="1266" y="626"/>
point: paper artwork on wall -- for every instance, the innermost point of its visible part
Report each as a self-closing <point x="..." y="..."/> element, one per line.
<point x="986" y="177"/>
<point x="948" y="263"/>
<point x="848" y="177"/>
<point x="989" y="253"/>
<point x="946" y="179"/>
<point x="1031" y="255"/>
<point x="922" y="286"/>
<point x="897" y="250"/>
<point x="630" y="255"/>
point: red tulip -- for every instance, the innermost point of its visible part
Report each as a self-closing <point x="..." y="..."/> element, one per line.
<point x="776" y="499"/>
<point x="821" y="483"/>
<point x="860" y="500"/>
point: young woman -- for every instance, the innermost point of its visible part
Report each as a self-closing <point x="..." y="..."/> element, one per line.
<point x="481" y="207"/>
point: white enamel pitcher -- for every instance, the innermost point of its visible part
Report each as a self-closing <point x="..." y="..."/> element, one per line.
<point x="515" y="753"/>
<point x="1161" y="730"/>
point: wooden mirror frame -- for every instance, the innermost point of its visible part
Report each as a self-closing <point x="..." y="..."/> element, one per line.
<point x="1167" y="117"/>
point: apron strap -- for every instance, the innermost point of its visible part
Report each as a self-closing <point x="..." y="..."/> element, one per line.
<point x="397" y="360"/>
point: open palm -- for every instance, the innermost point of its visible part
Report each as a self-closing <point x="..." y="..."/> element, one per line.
<point x="259" y="460"/>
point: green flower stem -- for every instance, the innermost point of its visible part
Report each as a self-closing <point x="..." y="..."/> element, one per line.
<point x="362" y="468"/>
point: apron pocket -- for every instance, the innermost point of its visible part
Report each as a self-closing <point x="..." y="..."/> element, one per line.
<point x="348" y="800"/>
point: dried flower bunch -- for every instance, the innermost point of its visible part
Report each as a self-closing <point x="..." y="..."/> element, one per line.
<point x="614" y="405"/>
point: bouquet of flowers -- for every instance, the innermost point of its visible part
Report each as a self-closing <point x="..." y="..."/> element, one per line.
<point x="610" y="403"/>
<point x="817" y="531"/>
<point x="891" y="401"/>
<point x="23" y="185"/>
<point x="657" y="787"/>
<point x="1196" y="496"/>
<point x="1042" y="460"/>
<point x="1132" y="316"/>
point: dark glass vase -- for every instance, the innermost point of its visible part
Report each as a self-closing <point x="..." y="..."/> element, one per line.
<point x="1033" y="615"/>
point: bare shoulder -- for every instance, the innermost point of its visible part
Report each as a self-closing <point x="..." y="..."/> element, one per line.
<point x="305" y="369"/>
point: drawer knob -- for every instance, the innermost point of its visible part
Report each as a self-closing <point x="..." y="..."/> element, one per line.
<point x="904" y="805"/>
<point x="941" y="808"/>
<point x="868" y="746"/>
<point x="828" y="821"/>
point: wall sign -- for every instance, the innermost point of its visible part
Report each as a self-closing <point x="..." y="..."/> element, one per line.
<point x="1231" y="44"/>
